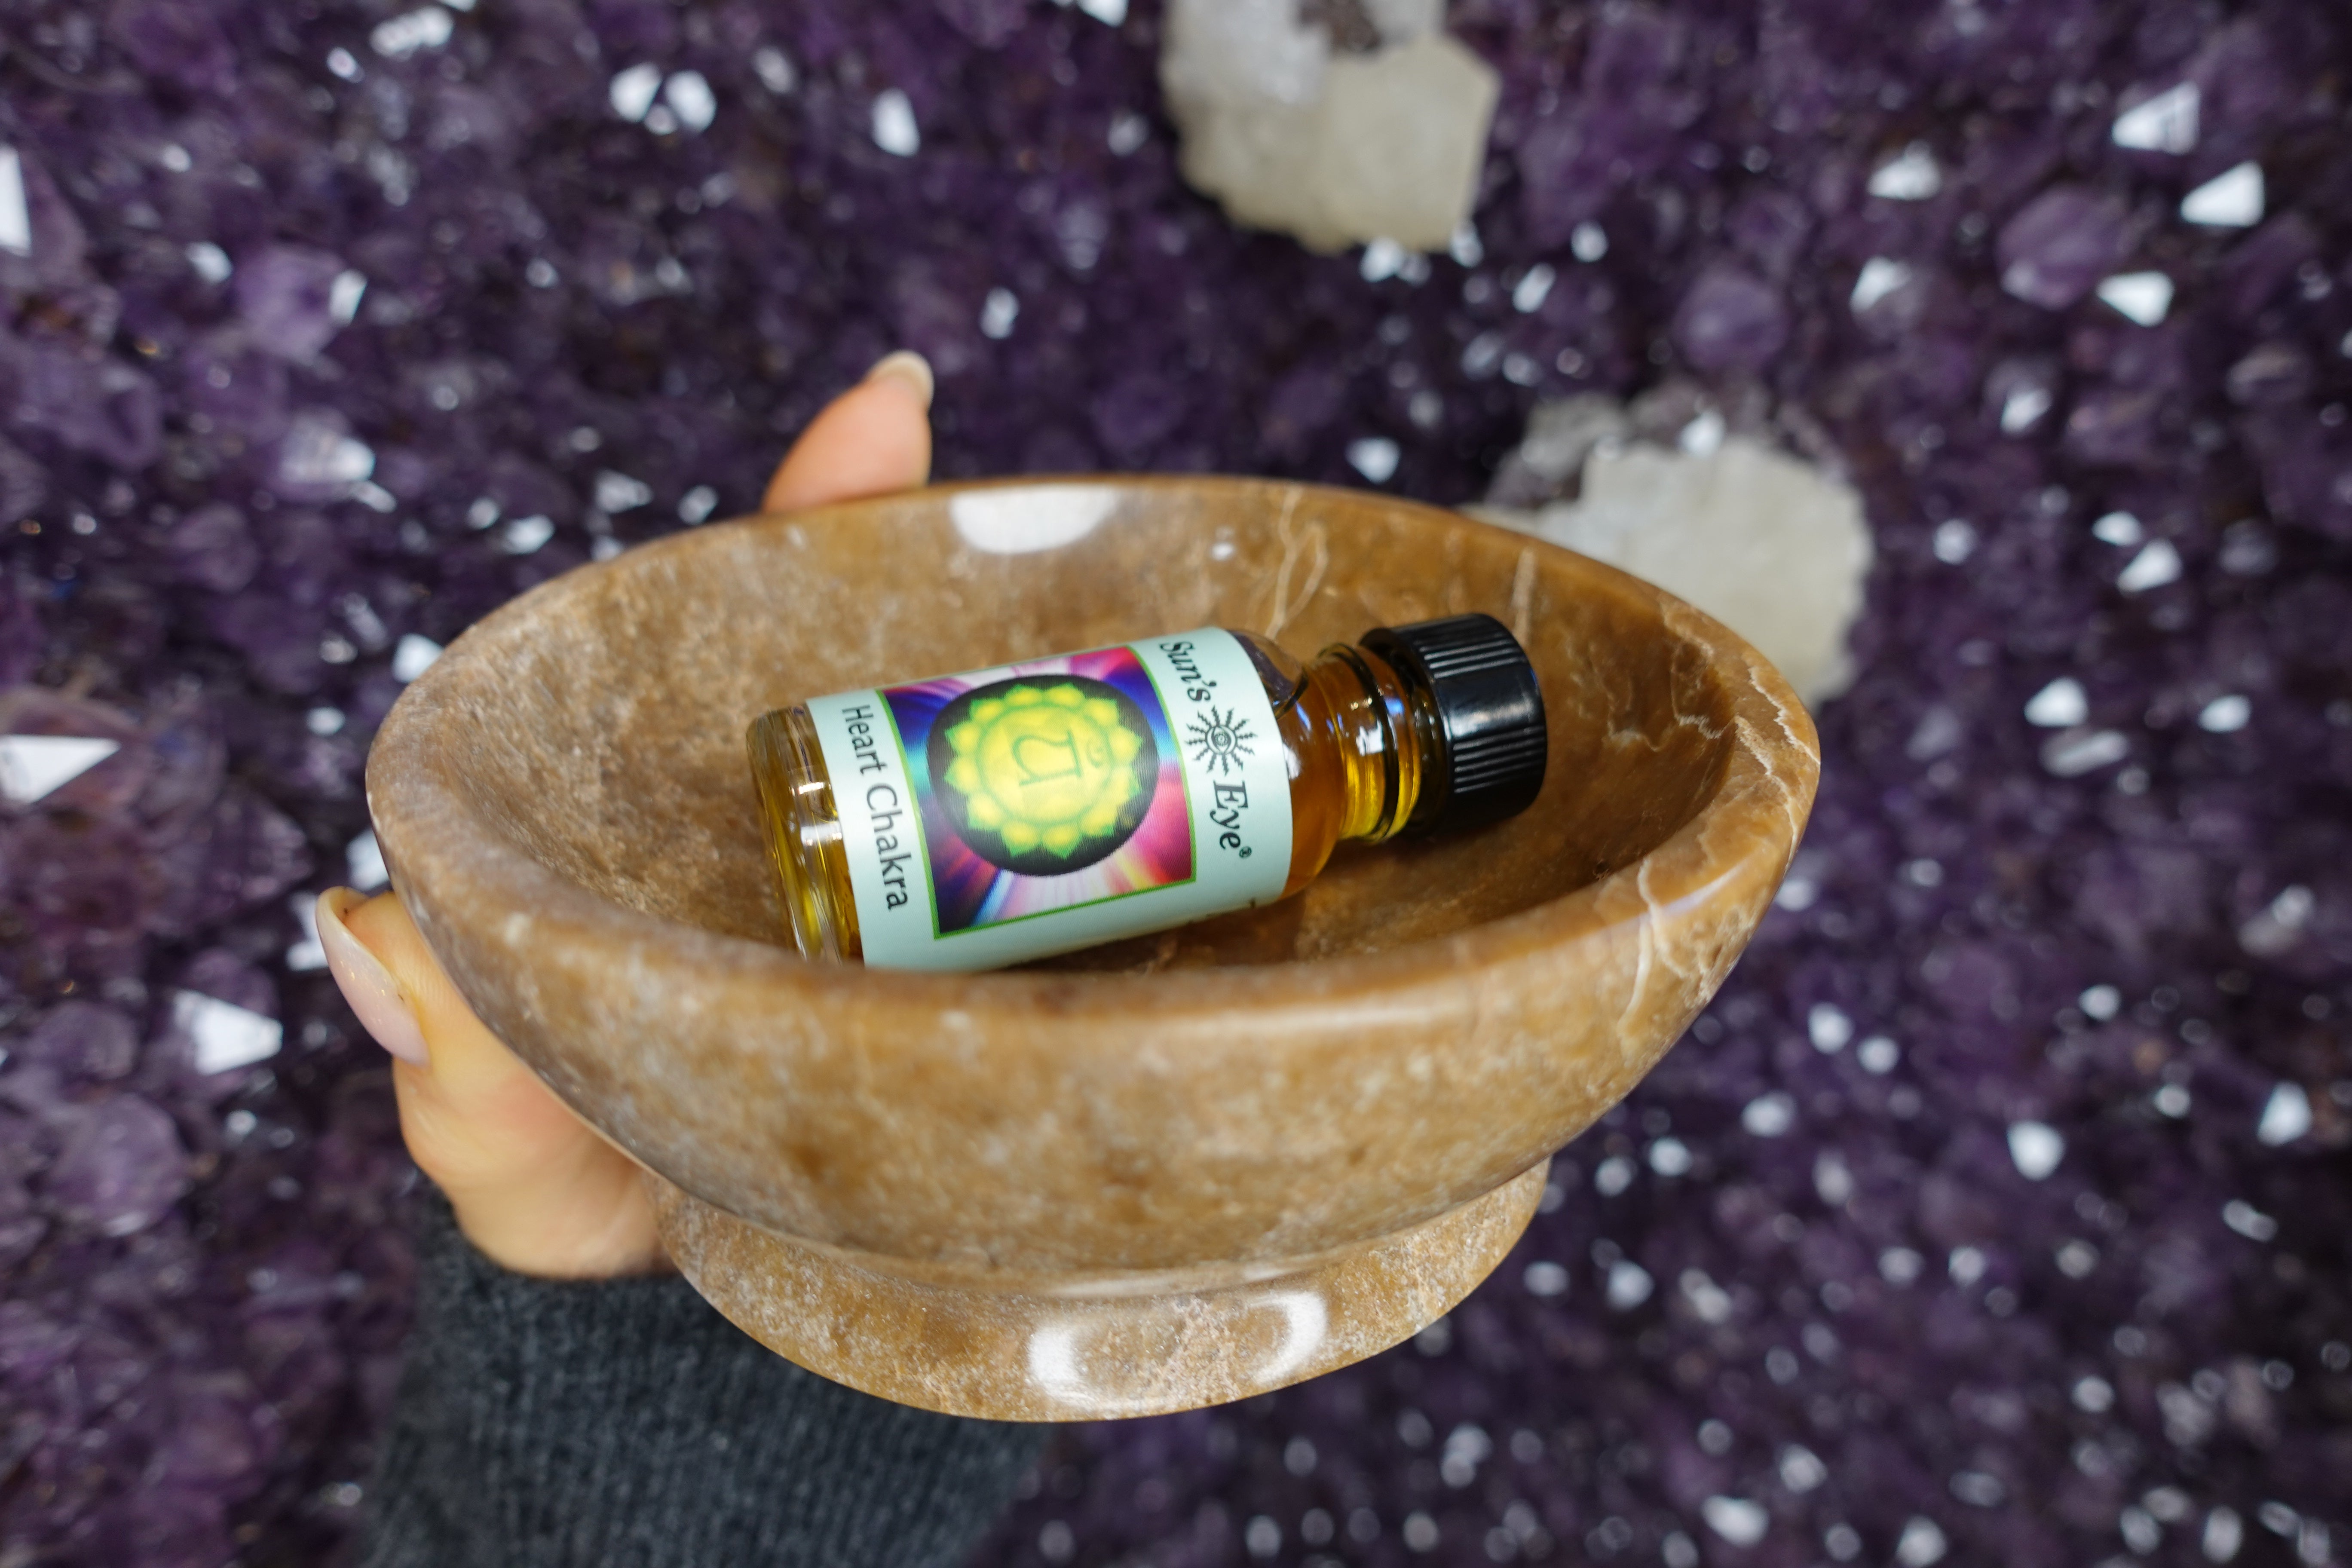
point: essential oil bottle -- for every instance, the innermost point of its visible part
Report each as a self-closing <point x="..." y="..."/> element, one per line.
<point x="982" y="819"/>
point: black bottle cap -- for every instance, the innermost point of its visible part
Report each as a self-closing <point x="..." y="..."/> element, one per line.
<point x="1481" y="688"/>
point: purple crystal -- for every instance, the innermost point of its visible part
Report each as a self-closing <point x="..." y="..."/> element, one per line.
<point x="2245" y="90"/>
<point x="21" y="632"/>
<point x="177" y="42"/>
<point x="91" y="403"/>
<point x="81" y="890"/>
<point x="2254" y="274"/>
<point x="285" y="293"/>
<point x="1138" y="413"/>
<point x="31" y="1345"/>
<point x="280" y="644"/>
<point x="240" y="390"/>
<point x="2115" y="426"/>
<point x="987" y="23"/>
<point x="22" y="1228"/>
<point x="211" y="1440"/>
<point x="121" y="1168"/>
<point x="2058" y="248"/>
<point x="1302" y="404"/>
<point x="109" y="783"/>
<point x="2270" y="373"/>
<point x="55" y="243"/>
<point x="1621" y="126"/>
<point x="635" y="28"/>
<point x="86" y="1039"/>
<point x="23" y="485"/>
<point x="2306" y="469"/>
<point x="240" y="853"/>
<point x="937" y="314"/>
<point x="1730" y="321"/>
<point x="212" y="548"/>
<point x="220" y="973"/>
<point x="1771" y="226"/>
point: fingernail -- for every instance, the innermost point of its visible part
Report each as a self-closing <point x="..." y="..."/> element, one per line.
<point x="908" y="366"/>
<point x="381" y="1006"/>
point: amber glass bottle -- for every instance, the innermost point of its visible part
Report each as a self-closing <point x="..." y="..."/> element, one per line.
<point x="981" y="819"/>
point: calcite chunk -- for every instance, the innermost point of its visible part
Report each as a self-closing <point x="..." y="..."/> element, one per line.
<point x="1333" y="147"/>
<point x="1774" y="548"/>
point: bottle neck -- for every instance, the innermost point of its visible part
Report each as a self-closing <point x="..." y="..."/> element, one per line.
<point x="1386" y="738"/>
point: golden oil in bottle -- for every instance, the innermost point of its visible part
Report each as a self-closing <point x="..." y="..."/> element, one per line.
<point x="984" y="819"/>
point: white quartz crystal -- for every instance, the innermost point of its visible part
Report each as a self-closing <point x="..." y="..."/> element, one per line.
<point x="226" y="1035"/>
<point x="33" y="767"/>
<point x="1775" y="549"/>
<point x="16" y="216"/>
<point x="2145" y="297"/>
<point x="2164" y="124"/>
<point x="1913" y="176"/>
<point x="1338" y="149"/>
<point x="2232" y="199"/>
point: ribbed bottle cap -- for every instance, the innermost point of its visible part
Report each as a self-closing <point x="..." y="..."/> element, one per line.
<point x="1483" y="689"/>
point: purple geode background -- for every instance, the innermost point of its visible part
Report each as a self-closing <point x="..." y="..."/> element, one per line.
<point x="205" y="1282"/>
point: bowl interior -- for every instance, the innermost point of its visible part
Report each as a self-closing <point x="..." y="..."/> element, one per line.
<point x="604" y="714"/>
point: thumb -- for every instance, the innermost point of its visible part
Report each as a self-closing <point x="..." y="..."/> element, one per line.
<point x="399" y="990"/>
<point x="533" y="1186"/>
<point x="873" y="440"/>
<point x="458" y="1082"/>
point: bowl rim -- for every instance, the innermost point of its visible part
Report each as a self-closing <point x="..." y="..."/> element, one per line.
<point x="1743" y="833"/>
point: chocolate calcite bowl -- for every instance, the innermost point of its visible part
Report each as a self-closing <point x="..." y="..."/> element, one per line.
<point x="1178" y="1170"/>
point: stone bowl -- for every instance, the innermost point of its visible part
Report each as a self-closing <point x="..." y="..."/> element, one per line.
<point x="1179" y="1170"/>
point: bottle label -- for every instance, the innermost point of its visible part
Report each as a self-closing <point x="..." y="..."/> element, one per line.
<point x="1008" y="814"/>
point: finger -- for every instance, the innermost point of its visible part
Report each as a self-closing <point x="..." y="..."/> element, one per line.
<point x="873" y="440"/>
<point x="397" y="987"/>
<point x="534" y="1187"/>
<point x="375" y="994"/>
<point x="454" y="1071"/>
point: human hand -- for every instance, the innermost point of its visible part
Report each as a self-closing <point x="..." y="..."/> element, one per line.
<point x="534" y="1188"/>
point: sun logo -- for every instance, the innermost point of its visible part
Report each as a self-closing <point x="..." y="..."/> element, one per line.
<point x="1045" y="776"/>
<point x="1220" y="740"/>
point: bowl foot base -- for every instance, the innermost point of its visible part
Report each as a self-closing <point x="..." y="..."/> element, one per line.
<point x="1064" y="1347"/>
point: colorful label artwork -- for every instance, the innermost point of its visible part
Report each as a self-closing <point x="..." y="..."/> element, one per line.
<point x="1058" y="796"/>
<point x="1051" y="789"/>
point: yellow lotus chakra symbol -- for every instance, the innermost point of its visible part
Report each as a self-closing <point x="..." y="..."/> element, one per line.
<point x="1045" y="767"/>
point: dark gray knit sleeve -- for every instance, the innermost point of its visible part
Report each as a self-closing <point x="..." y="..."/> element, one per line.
<point x="625" y="1424"/>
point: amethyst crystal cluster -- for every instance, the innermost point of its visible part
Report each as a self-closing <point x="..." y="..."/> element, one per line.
<point x="1996" y="1213"/>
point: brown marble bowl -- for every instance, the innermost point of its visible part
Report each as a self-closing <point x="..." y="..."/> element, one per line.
<point x="1177" y="1170"/>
